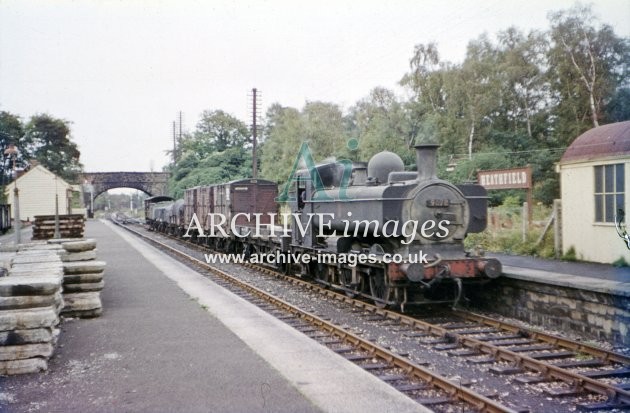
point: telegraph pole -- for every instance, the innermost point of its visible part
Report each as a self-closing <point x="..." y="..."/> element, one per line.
<point x="254" y="133"/>
<point x="174" y="145"/>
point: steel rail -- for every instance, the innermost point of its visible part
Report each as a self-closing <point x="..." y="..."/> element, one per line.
<point x="584" y="348"/>
<point x="457" y="392"/>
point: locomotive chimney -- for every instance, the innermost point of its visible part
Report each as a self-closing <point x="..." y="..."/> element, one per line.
<point x="426" y="161"/>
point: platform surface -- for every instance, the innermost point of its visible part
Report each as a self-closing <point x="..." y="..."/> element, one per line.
<point x="170" y="340"/>
<point x="590" y="276"/>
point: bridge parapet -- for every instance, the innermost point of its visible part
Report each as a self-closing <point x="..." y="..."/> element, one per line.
<point x="152" y="183"/>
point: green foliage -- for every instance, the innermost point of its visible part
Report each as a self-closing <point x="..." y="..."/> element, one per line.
<point x="504" y="233"/>
<point x="215" y="152"/>
<point x="620" y="262"/>
<point x="319" y="124"/>
<point x="570" y="255"/>
<point x="43" y="138"/>
<point x="586" y="65"/>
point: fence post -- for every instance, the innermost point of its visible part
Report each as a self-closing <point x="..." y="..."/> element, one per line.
<point x="557" y="228"/>
<point x="525" y="218"/>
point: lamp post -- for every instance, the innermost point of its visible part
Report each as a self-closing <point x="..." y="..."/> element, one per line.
<point x="12" y="151"/>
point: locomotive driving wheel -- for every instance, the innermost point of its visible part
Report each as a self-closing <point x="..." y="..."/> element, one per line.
<point x="345" y="280"/>
<point x="380" y="289"/>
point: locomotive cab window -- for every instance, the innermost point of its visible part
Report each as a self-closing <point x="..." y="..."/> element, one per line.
<point x="609" y="191"/>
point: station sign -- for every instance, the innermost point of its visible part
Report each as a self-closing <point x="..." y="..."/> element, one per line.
<point x="513" y="178"/>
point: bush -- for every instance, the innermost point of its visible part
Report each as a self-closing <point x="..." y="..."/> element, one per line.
<point x="570" y="255"/>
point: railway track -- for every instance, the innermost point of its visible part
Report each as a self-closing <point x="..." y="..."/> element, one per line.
<point x="532" y="357"/>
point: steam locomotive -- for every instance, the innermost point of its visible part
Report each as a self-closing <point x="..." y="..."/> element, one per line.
<point x="371" y="229"/>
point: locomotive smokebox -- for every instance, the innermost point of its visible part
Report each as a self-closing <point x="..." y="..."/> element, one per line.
<point x="426" y="161"/>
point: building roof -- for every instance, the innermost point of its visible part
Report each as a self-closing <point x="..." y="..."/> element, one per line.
<point x="608" y="141"/>
<point x="37" y="169"/>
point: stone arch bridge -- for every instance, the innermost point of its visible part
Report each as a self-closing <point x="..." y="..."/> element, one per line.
<point x="151" y="183"/>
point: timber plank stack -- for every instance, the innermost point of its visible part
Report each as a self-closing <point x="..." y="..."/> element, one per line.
<point x="70" y="226"/>
<point x="30" y="303"/>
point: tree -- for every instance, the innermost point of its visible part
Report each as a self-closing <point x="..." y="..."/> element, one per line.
<point x="522" y="61"/>
<point x="216" y="131"/>
<point x="283" y="131"/>
<point x="215" y="152"/>
<point x="587" y="64"/>
<point x="380" y="123"/>
<point x="320" y="124"/>
<point x="11" y="132"/>
<point x="48" y="140"/>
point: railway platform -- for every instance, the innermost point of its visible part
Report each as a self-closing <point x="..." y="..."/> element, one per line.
<point x="171" y="340"/>
<point x="579" y="275"/>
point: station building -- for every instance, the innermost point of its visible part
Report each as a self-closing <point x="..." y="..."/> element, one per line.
<point x="36" y="190"/>
<point x="595" y="184"/>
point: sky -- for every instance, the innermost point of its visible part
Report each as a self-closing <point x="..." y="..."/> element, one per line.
<point x="121" y="71"/>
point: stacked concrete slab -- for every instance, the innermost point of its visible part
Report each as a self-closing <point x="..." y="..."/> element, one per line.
<point x="83" y="278"/>
<point x="30" y="303"/>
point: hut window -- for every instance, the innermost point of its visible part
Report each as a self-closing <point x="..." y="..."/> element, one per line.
<point x="609" y="191"/>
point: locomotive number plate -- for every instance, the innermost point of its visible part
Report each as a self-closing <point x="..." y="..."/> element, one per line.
<point x="438" y="203"/>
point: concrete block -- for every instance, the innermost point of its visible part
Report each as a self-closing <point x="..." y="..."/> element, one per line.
<point x="81" y="302"/>
<point x="34" y="335"/>
<point x="83" y="267"/>
<point x="26" y="366"/>
<point x="77" y="256"/>
<point x="26" y="319"/>
<point x="93" y="277"/>
<point x="79" y="246"/>
<point x="28" y="301"/>
<point x="29" y="285"/>
<point x="25" y="351"/>
<point x="83" y="287"/>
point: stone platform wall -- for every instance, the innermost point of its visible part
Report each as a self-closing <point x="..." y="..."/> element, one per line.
<point x="590" y="313"/>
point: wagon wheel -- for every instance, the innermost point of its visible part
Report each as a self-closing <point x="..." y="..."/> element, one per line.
<point x="319" y="272"/>
<point x="380" y="290"/>
<point x="345" y="280"/>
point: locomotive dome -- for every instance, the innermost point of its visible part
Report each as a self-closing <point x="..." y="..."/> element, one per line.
<point x="382" y="164"/>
